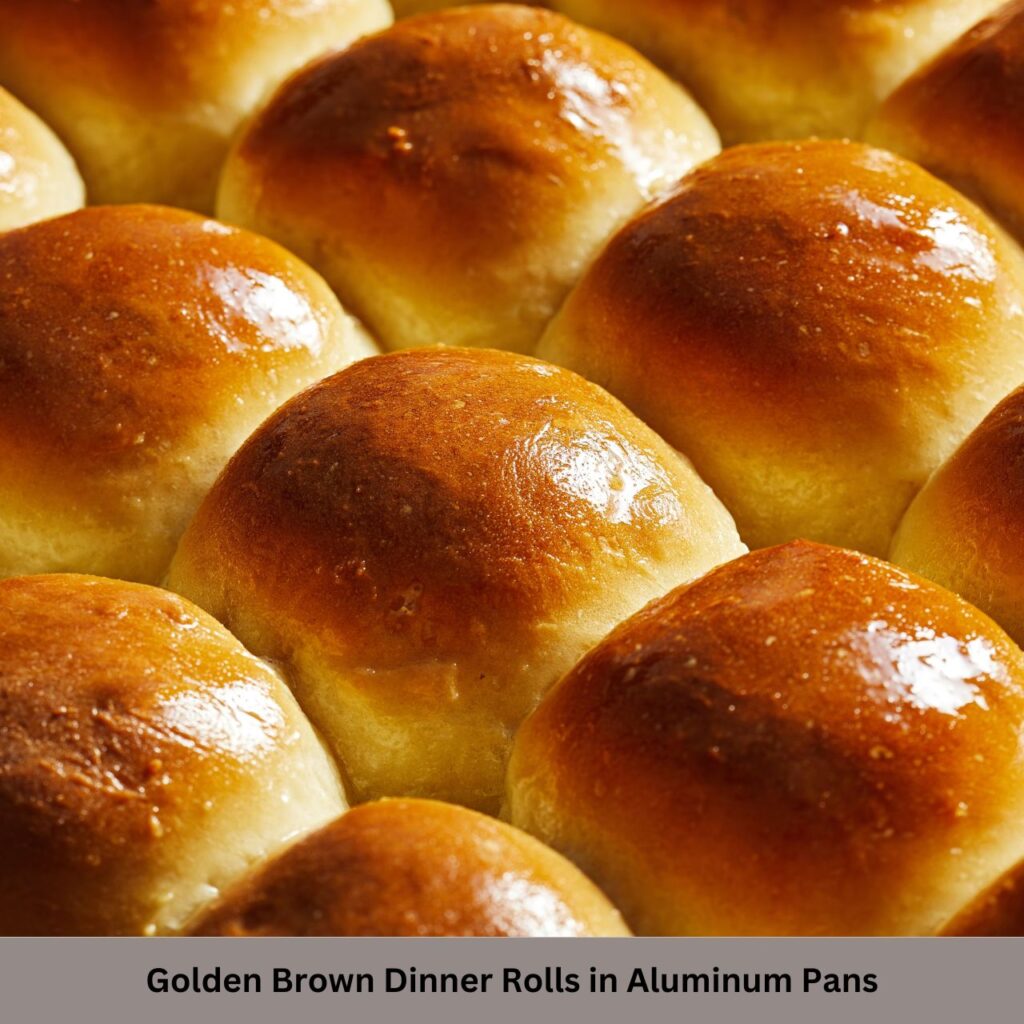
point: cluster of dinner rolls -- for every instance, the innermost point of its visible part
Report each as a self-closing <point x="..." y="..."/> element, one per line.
<point x="478" y="528"/>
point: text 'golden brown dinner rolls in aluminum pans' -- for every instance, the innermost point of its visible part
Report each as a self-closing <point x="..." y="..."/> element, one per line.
<point x="451" y="176"/>
<point x="38" y="178"/>
<point x="816" y="325"/>
<point x="805" y="741"/>
<point x="769" y="70"/>
<point x="428" y="540"/>
<point x="414" y="868"/>
<point x="962" y="116"/>
<point x="147" y="95"/>
<point x="139" y="346"/>
<point x="965" y="529"/>
<point x="146" y="759"/>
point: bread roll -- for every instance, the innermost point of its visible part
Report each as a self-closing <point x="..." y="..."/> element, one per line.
<point x="148" y="95"/>
<point x="38" y="178"/>
<point x="816" y="325"/>
<point x="139" y="346"/>
<point x="807" y="741"/>
<point x="414" y="868"/>
<point x="965" y="530"/>
<point x="146" y="759"/>
<point x="770" y="70"/>
<point x="450" y="177"/>
<point x="962" y="116"/>
<point x="427" y="540"/>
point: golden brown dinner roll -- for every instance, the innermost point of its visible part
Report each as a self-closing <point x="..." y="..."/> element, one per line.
<point x="451" y="176"/>
<point x="139" y="346"/>
<point x="805" y="741"/>
<point x="997" y="910"/>
<point x="816" y="325"/>
<point x="38" y="178"/>
<point x="770" y="70"/>
<point x="427" y="540"/>
<point x="962" y="116"/>
<point x="965" y="530"/>
<point x="414" y="867"/>
<point x="146" y="759"/>
<point x="147" y="95"/>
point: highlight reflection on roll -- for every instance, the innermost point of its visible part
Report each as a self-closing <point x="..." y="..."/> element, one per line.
<point x="428" y="539"/>
<point x="962" y="115"/>
<point x="146" y="759"/>
<point x="805" y="741"/>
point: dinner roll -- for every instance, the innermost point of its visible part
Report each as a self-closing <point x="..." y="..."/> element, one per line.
<point x="805" y="741"/>
<point x="147" y="95"/>
<point x="146" y="759"/>
<point x="816" y="325"/>
<point x="997" y="910"/>
<point x="139" y="346"/>
<point x="965" y="530"/>
<point x="427" y="540"/>
<point x="38" y="178"/>
<point x="770" y="70"/>
<point x="962" y="116"/>
<point x="414" y="868"/>
<point x="450" y="177"/>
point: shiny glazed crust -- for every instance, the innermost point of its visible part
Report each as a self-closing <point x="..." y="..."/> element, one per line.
<point x="961" y="115"/>
<point x="965" y="530"/>
<point x="816" y="325"/>
<point x="451" y="176"/>
<point x="38" y="178"/>
<point x="414" y="868"/>
<point x="145" y="759"/>
<point x="428" y="539"/>
<point x="805" y="741"/>
<point x="148" y="95"/>
<point x="139" y="346"/>
<point x="770" y="70"/>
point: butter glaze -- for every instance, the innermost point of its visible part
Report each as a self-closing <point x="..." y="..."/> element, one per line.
<point x="816" y="325"/>
<point x="145" y="758"/>
<point x="960" y="115"/>
<point x="804" y="741"/>
<point x="500" y="145"/>
<point x="414" y="868"/>
<point x="139" y="345"/>
<point x="429" y="539"/>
